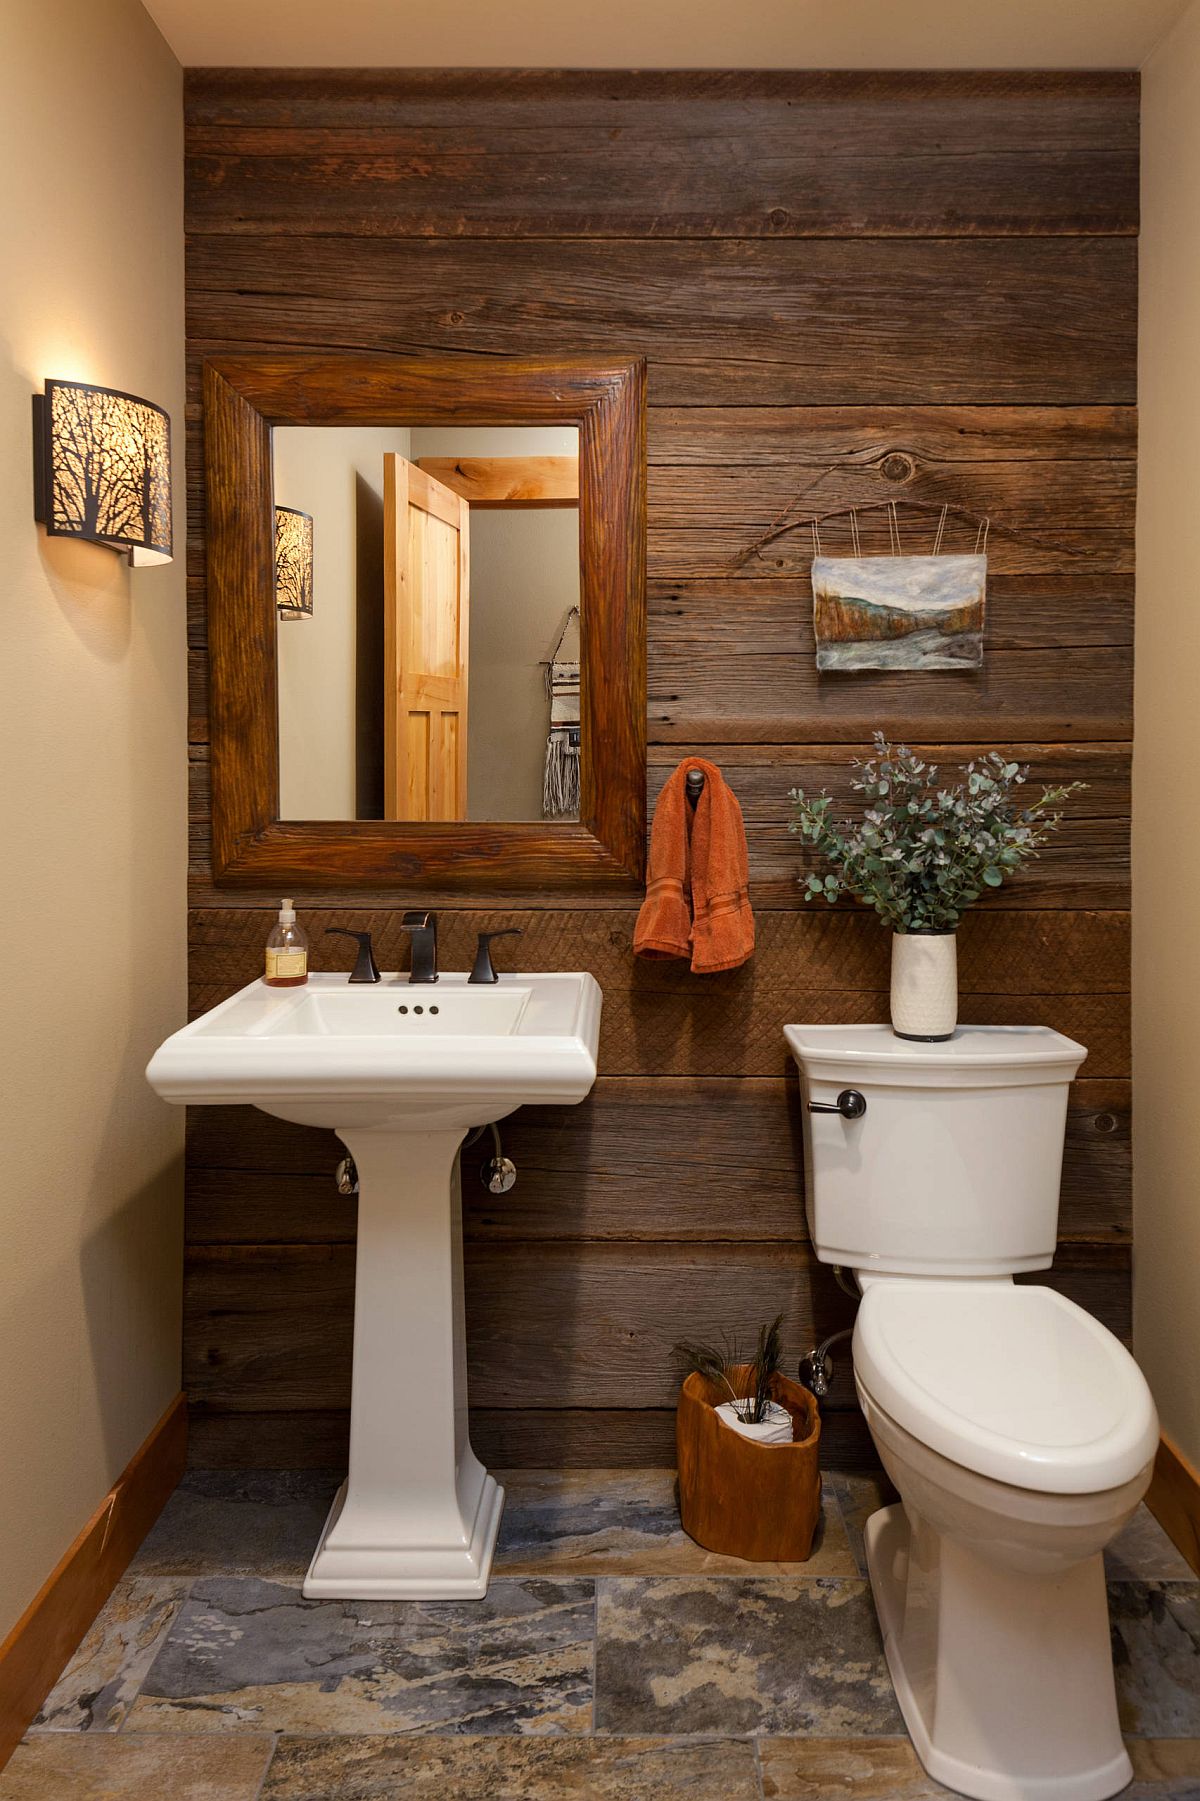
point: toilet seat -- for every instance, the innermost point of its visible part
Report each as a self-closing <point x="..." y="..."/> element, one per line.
<point x="1016" y="1383"/>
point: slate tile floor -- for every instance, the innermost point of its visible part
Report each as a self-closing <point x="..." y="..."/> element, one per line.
<point x="613" y="1660"/>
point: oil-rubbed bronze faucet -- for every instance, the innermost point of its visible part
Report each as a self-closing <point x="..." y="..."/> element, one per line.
<point x="365" y="967"/>
<point x="421" y="927"/>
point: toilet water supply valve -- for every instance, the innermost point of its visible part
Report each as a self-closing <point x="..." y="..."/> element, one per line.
<point x="817" y="1367"/>
<point x="498" y="1174"/>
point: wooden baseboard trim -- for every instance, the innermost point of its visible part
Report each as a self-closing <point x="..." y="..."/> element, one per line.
<point x="33" y="1655"/>
<point x="1174" y="1499"/>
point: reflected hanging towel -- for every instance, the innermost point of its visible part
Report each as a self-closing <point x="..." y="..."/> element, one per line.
<point x="560" y="778"/>
<point x="697" y="890"/>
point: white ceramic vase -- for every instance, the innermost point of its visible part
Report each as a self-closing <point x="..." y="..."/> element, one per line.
<point x="924" y="985"/>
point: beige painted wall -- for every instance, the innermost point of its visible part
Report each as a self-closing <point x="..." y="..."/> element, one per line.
<point x="326" y="470"/>
<point x="1166" y="851"/>
<point x="92" y="801"/>
<point x="669" y="34"/>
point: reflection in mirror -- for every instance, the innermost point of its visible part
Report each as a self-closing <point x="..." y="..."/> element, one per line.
<point x="437" y="675"/>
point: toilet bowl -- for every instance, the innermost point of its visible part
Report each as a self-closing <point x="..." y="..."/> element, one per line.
<point x="1018" y="1431"/>
<point x="1020" y="1435"/>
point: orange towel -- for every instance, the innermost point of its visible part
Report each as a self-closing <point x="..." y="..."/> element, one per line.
<point x="697" y="901"/>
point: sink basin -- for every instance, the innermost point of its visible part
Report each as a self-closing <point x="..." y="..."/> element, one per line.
<point x="332" y="1054"/>
<point x="400" y="1071"/>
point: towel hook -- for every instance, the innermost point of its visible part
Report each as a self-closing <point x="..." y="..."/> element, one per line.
<point x="694" y="786"/>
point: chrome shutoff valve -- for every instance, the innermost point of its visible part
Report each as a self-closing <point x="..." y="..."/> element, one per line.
<point x="499" y="1175"/>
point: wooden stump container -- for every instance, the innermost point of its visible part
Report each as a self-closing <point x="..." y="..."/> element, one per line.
<point x="761" y="1502"/>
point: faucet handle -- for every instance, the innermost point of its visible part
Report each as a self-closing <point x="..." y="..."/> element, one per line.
<point x="484" y="969"/>
<point x="365" y="967"/>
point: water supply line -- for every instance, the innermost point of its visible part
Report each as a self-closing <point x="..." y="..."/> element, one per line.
<point x="817" y="1367"/>
<point x="498" y="1174"/>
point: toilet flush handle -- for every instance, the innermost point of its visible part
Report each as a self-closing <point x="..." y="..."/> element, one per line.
<point x="850" y="1104"/>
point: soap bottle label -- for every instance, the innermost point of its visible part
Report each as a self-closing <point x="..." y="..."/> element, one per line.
<point x="284" y="963"/>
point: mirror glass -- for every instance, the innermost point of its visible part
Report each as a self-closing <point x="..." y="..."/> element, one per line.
<point x="427" y="585"/>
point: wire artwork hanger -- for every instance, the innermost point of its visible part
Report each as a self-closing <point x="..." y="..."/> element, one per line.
<point x="812" y="523"/>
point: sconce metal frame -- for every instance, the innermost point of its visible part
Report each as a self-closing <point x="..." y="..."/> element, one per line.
<point x="293" y="563"/>
<point x="102" y="469"/>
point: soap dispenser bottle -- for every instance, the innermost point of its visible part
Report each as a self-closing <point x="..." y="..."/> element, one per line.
<point x="287" y="951"/>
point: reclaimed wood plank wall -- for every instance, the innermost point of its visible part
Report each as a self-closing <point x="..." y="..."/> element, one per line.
<point x="862" y="287"/>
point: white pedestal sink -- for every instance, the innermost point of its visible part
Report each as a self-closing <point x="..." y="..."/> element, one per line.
<point x="400" y="1072"/>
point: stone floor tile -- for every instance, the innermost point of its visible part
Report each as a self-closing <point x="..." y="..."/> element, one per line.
<point x="858" y="1497"/>
<point x="626" y="1522"/>
<point x="721" y="1656"/>
<point x="249" y="1654"/>
<point x="865" y="1769"/>
<point x="131" y="1766"/>
<point x="1164" y="1770"/>
<point x="100" y="1684"/>
<point x="825" y="1769"/>
<point x="240" y="1522"/>
<point x="512" y="1769"/>
<point x="1142" y="1552"/>
<point x="1156" y="1653"/>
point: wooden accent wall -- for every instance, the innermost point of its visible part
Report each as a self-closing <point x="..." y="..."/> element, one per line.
<point x="850" y="288"/>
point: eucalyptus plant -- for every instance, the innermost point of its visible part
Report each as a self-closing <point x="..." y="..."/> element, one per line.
<point x="921" y="853"/>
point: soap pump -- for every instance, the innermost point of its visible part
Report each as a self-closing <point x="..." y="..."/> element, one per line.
<point x="287" y="951"/>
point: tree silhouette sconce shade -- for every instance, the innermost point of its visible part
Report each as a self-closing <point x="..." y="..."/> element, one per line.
<point x="102" y="469"/>
<point x="293" y="563"/>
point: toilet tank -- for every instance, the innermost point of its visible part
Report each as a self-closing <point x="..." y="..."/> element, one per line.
<point x="954" y="1168"/>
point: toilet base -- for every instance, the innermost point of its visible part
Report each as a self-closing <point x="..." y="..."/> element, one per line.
<point x="1018" y="1669"/>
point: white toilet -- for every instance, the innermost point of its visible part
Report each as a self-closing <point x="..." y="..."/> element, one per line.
<point x="1019" y="1432"/>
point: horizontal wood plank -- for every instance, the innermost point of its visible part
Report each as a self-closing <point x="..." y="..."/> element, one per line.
<point x="751" y="697"/>
<point x="687" y="155"/>
<point x="1047" y="515"/>
<point x="1085" y="867"/>
<point x="1064" y="969"/>
<point x="548" y="1325"/>
<point x="587" y="1437"/>
<point x="1016" y="321"/>
<point x="641" y="1160"/>
<point x="874" y="437"/>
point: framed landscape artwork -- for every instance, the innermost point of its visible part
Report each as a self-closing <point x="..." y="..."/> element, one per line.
<point x="899" y="612"/>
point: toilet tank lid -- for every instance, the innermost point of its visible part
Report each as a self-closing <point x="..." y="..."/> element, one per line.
<point x="975" y="1054"/>
<point x="1017" y="1383"/>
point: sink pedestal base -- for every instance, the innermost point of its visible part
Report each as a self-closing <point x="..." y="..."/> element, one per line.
<point x="417" y="1516"/>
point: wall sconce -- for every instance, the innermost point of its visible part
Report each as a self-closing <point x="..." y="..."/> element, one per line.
<point x="102" y="469"/>
<point x="293" y="563"/>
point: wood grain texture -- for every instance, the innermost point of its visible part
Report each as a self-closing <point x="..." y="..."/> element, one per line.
<point x="33" y="1655"/>
<point x="1174" y="1499"/>
<point x="849" y="289"/>
<point x="619" y="155"/>
<point x="761" y="1502"/>
<point x="834" y="321"/>
<point x="269" y="1326"/>
<point x="516" y="481"/>
<point x="244" y="396"/>
<point x="659" y="1019"/>
<point x="642" y="1159"/>
<point x="584" y="1437"/>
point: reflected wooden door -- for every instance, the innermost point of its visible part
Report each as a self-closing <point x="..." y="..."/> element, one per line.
<point x="425" y="634"/>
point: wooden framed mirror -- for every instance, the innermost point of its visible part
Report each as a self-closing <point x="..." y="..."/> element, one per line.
<point x="246" y="398"/>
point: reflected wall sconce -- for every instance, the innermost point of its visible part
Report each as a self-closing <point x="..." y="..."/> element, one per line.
<point x="293" y="563"/>
<point x="102" y="469"/>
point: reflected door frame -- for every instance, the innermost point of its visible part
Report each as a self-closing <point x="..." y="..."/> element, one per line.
<point x="426" y="623"/>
